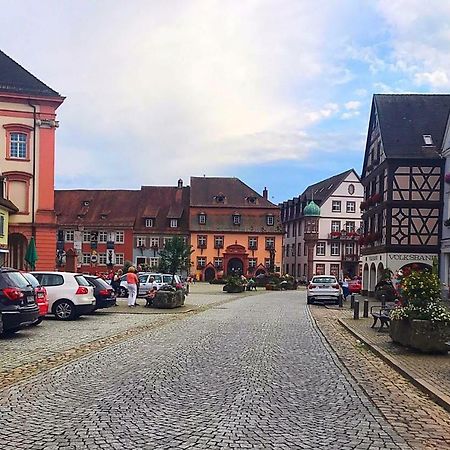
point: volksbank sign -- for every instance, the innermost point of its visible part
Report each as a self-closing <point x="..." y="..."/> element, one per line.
<point x="414" y="258"/>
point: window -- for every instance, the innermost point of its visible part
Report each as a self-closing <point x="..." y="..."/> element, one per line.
<point x="153" y="261"/>
<point x="236" y="219"/>
<point x="202" y="219"/>
<point x="335" y="225"/>
<point x="349" y="248"/>
<point x="218" y="241"/>
<point x="149" y="223"/>
<point x="351" y="207"/>
<point x="351" y="189"/>
<point x="270" y="243"/>
<point x="173" y="223"/>
<point x="320" y="269"/>
<point x="305" y="269"/>
<point x="2" y="225"/>
<point x="86" y="259"/>
<point x="69" y="235"/>
<point x="270" y="220"/>
<point x="18" y="145"/>
<point x="267" y="263"/>
<point x="299" y="249"/>
<point x="86" y="236"/>
<point x="102" y="236"/>
<point x="350" y="226"/>
<point x="50" y="279"/>
<point x="336" y="206"/>
<point x="334" y="270"/>
<point x="305" y="250"/>
<point x="427" y="139"/>
<point x="320" y="249"/>
<point x="102" y="258"/>
<point x="119" y="259"/>
<point x="287" y="250"/>
<point x="335" y="249"/>
<point x="201" y="262"/>
<point x="253" y="243"/>
<point x="252" y="263"/>
<point x="293" y="249"/>
<point x="166" y="240"/>
<point x="218" y="263"/>
<point x="140" y="241"/>
<point x="154" y="242"/>
<point x="201" y="241"/>
<point x="119" y="237"/>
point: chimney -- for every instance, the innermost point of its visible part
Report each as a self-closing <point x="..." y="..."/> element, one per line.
<point x="265" y="193"/>
<point x="180" y="183"/>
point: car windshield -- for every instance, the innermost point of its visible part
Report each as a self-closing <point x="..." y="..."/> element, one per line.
<point x="31" y="279"/>
<point x="13" y="279"/>
<point x="324" y="280"/>
<point x="167" y="279"/>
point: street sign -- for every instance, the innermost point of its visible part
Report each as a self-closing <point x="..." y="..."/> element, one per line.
<point x="110" y="257"/>
<point x="94" y="258"/>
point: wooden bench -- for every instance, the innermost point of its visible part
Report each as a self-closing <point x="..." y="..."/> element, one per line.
<point x="382" y="314"/>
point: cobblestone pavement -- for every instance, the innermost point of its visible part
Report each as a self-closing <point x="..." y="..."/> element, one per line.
<point x="419" y="420"/>
<point x="252" y="373"/>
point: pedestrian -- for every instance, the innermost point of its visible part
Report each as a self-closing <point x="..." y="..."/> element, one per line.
<point x="345" y="288"/>
<point x="115" y="282"/>
<point x="132" y="281"/>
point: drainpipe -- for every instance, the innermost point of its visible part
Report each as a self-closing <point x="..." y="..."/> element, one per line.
<point x="33" y="199"/>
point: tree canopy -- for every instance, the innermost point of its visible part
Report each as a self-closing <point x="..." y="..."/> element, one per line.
<point x="175" y="256"/>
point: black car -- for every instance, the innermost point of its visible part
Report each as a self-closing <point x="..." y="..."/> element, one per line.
<point x="18" y="307"/>
<point x="103" y="292"/>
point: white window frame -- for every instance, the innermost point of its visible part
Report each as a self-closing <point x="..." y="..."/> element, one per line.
<point x="120" y="258"/>
<point x="153" y="261"/>
<point x="102" y="237"/>
<point x="218" y="262"/>
<point x="69" y="235"/>
<point x="350" y="207"/>
<point x="349" y="248"/>
<point x="270" y="242"/>
<point x="236" y="219"/>
<point x="253" y="239"/>
<point x="202" y="219"/>
<point x="350" y="226"/>
<point x="333" y="247"/>
<point x="120" y="237"/>
<point x="173" y="223"/>
<point x="149" y="223"/>
<point x="336" y="206"/>
<point x="102" y="259"/>
<point x="322" y="246"/>
<point x="202" y="240"/>
<point x="270" y="220"/>
<point x="218" y="241"/>
<point x="140" y="241"/>
<point x="154" y="242"/>
<point x="335" y="226"/>
<point x="20" y="150"/>
<point x="201" y="259"/>
<point x="86" y="259"/>
<point x="86" y="236"/>
<point x="252" y="262"/>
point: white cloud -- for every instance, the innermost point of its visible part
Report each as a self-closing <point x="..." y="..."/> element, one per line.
<point x="437" y="78"/>
<point x="350" y="115"/>
<point x="352" y="105"/>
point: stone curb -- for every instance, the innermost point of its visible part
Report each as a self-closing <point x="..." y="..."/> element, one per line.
<point x="150" y="311"/>
<point x="436" y="395"/>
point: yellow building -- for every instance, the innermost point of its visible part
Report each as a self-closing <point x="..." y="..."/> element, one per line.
<point x="233" y="229"/>
<point x="6" y="208"/>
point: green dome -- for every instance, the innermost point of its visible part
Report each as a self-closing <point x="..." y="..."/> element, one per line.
<point x="311" y="209"/>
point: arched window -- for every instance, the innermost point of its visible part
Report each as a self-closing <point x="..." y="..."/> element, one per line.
<point x="18" y="141"/>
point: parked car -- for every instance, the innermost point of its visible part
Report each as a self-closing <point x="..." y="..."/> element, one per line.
<point x="323" y="288"/>
<point x="69" y="294"/>
<point x="103" y="292"/>
<point x="41" y="296"/>
<point x="18" y="307"/>
<point x="145" y="283"/>
<point x="354" y="286"/>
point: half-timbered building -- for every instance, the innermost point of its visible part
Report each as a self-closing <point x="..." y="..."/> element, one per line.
<point x="403" y="183"/>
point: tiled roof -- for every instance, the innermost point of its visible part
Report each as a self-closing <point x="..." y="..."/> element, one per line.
<point x="207" y="191"/>
<point x="405" y="118"/>
<point x="15" y="79"/>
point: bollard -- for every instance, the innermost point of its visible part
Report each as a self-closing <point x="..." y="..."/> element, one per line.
<point x="356" y="310"/>
<point x="383" y="301"/>
<point x="366" y="308"/>
<point x="341" y="301"/>
<point x="352" y="301"/>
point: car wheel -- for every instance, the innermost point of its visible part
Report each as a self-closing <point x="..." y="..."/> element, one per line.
<point x="64" y="310"/>
<point x="37" y="322"/>
<point x="123" y="292"/>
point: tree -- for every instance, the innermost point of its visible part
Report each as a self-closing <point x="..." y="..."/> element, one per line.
<point x="175" y="255"/>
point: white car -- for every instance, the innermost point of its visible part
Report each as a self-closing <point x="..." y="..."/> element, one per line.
<point x="146" y="283"/>
<point x="69" y="294"/>
<point x="323" y="288"/>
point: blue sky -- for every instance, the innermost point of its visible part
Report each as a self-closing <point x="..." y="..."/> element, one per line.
<point x="275" y="92"/>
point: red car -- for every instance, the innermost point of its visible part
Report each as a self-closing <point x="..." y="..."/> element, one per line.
<point x="41" y="296"/>
<point x="354" y="286"/>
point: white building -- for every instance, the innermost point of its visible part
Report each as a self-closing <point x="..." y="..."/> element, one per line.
<point x="322" y="228"/>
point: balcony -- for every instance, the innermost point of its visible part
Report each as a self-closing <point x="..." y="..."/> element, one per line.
<point x="343" y="235"/>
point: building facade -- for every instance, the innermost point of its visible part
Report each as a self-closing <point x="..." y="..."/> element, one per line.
<point x="403" y="184"/>
<point x="322" y="228"/>
<point x="233" y="229"/>
<point x="28" y="123"/>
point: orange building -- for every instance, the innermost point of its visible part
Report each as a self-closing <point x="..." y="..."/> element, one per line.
<point x="234" y="230"/>
<point x="27" y="139"/>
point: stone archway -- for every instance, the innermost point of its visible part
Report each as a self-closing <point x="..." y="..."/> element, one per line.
<point x="365" y="278"/>
<point x="17" y="249"/>
<point x="372" y="278"/>
<point x="210" y="274"/>
<point x="235" y="266"/>
<point x="380" y="271"/>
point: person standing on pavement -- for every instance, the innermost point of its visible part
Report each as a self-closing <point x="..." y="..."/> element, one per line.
<point x="132" y="281"/>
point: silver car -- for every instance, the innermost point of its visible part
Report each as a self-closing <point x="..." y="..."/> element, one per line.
<point x="323" y="288"/>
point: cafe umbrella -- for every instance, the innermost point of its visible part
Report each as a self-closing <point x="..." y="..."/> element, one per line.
<point x="31" y="255"/>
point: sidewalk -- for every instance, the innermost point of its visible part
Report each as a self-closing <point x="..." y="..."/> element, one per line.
<point x="430" y="373"/>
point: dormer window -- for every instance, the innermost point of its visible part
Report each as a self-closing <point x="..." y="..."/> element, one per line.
<point x="236" y="219"/>
<point x="427" y="139"/>
<point x="86" y="203"/>
<point x="251" y="200"/>
<point x="149" y="223"/>
<point x="202" y="218"/>
<point x="103" y="216"/>
<point x="220" y="198"/>
<point x="270" y="220"/>
<point x="173" y="223"/>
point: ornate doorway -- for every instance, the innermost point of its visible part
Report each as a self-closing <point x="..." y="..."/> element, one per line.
<point x="235" y="266"/>
<point x="210" y="274"/>
<point x="17" y="249"/>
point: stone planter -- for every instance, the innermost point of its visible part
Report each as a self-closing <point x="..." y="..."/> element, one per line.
<point x="233" y="288"/>
<point x="168" y="299"/>
<point x="421" y="335"/>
